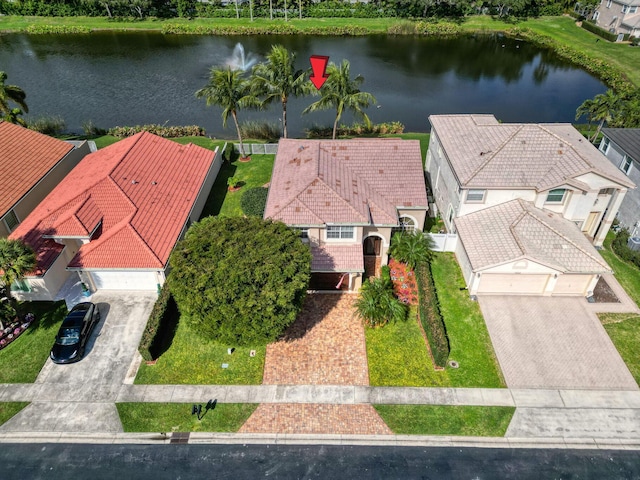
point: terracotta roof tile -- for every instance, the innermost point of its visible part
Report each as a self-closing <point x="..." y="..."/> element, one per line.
<point x="360" y="181"/>
<point x="25" y="157"/>
<point x="518" y="230"/>
<point x="337" y="258"/>
<point x="142" y="189"/>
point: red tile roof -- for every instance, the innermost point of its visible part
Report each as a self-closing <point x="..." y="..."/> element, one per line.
<point x="337" y="258"/>
<point x="25" y="157"/>
<point x="139" y="191"/>
<point x="360" y="181"/>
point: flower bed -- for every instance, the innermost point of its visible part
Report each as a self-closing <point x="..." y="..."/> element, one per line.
<point x="14" y="330"/>
<point x="404" y="282"/>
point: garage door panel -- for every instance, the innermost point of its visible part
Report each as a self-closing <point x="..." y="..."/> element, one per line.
<point x="568" y="284"/>
<point x="496" y="283"/>
<point x="123" y="280"/>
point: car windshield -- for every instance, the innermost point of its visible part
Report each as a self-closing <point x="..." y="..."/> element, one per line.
<point x="68" y="336"/>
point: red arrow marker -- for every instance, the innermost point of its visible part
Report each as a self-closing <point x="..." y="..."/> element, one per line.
<point x="319" y="67"/>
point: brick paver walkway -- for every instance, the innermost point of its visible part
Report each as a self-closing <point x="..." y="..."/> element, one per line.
<point x="325" y="346"/>
<point x="315" y="418"/>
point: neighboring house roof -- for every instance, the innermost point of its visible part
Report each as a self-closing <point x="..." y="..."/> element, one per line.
<point x="488" y="154"/>
<point x="362" y="181"/>
<point x="628" y="139"/>
<point x="337" y="258"/>
<point x="632" y="20"/>
<point x="25" y="157"/>
<point x="517" y="230"/>
<point x="132" y="199"/>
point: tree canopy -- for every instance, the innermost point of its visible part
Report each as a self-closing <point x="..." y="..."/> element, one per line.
<point x="16" y="260"/>
<point x="240" y="281"/>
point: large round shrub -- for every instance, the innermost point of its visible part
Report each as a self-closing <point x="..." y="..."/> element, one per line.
<point x="240" y="281"/>
<point x="253" y="201"/>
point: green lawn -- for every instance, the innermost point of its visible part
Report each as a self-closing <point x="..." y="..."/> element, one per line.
<point x="398" y="356"/>
<point x="22" y="360"/>
<point x="468" y="336"/>
<point x="255" y="173"/>
<point x="192" y="360"/>
<point x="624" y="331"/>
<point x="446" y="420"/>
<point x="177" y="417"/>
<point x="627" y="274"/>
<point x="397" y="353"/>
<point x="9" y="409"/>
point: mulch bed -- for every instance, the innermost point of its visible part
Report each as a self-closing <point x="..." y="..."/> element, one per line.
<point x="404" y="282"/>
<point x="603" y="293"/>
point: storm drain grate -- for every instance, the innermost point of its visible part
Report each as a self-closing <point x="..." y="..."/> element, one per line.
<point x="180" y="437"/>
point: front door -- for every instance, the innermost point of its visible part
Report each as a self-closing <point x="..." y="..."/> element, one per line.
<point x="590" y="224"/>
<point x="372" y="248"/>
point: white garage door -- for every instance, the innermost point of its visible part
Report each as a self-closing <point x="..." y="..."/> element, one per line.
<point x="568" y="284"/>
<point x="123" y="280"/>
<point x="504" y="283"/>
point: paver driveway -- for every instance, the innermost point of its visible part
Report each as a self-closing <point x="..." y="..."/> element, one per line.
<point x="80" y="397"/>
<point x="553" y="342"/>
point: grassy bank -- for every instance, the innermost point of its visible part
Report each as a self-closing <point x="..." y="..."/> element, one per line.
<point x="562" y="30"/>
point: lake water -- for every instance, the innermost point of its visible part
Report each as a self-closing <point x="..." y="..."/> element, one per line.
<point x="136" y="78"/>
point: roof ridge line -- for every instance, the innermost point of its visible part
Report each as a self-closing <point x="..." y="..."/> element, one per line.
<point x="519" y="128"/>
<point x="124" y="155"/>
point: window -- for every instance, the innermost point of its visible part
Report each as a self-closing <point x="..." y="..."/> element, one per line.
<point x="20" y="286"/>
<point x="405" y="224"/>
<point x="303" y="233"/>
<point x="625" y="8"/>
<point x="625" y="166"/>
<point x="556" y="195"/>
<point x="451" y="212"/>
<point x="633" y="9"/>
<point x="604" y="145"/>
<point x="608" y="3"/>
<point x="339" y="232"/>
<point x="11" y="220"/>
<point x="475" y="195"/>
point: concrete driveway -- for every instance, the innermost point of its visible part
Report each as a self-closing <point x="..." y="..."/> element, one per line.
<point x="80" y="397"/>
<point x="553" y="342"/>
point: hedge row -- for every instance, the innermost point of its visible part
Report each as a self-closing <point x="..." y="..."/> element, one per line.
<point x="430" y="316"/>
<point x="160" y="130"/>
<point x="162" y="310"/>
<point x="274" y="29"/>
<point x="601" y="32"/>
<point x="619" y="246"/>
<point x="609" y="74"/>
<point x="355" y="129"/>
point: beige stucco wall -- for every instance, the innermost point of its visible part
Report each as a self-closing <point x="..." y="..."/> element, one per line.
<point x="493" y="198"/>
<point x="206" y="187"/>
<point x="47" y="286"/>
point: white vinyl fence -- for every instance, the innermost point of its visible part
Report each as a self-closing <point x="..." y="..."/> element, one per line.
<point x="444" y="242"/>
<point x="258" y="148"/>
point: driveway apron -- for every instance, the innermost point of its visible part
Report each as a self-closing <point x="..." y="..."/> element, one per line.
<point x="553" y="342"/>
<point x="80" y="397"/>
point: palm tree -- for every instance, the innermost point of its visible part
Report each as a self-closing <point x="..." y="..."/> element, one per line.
<point x="603" y="108"/>
<point x="586" y="108"/>
<point x="11" y="93"/>
<point x="16" y="260"/>
<point x="342" y="93"/>
<point x="278" y="80"/>
<point x="377" y="305"/>
<point x="412" y="248"/>
<point x="228" y="89"/>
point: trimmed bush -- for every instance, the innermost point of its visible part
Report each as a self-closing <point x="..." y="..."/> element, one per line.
<point x="240" y="281"/>
<point x="160" y="130"/>
<point x="377" y="305"/>
<point x="430" y="316"/>
<point x="619" y="246"/>
<point x="162" y="318"/>
<point x="601" y="32"/>
<point x="253" y="201"/>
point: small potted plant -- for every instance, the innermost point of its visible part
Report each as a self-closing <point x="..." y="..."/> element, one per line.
<point x="233" y="184"/>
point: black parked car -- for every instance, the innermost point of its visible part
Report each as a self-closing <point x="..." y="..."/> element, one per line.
<point x="74" y="332"/>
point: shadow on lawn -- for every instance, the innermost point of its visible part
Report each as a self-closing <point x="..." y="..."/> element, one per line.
<point x="316" y="307"/>
<point x="219" y="190"/>
<point x="47" y="313"/>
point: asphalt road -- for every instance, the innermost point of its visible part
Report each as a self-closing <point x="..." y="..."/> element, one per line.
<point x="159" y="462"/>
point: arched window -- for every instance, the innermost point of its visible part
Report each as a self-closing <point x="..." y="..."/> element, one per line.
<point x="406" y="224"/>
